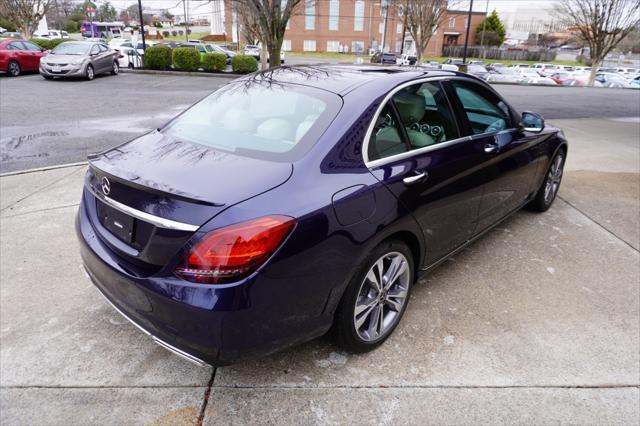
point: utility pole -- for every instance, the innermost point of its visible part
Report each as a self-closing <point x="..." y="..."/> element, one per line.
<point x="186" y="20"/>
<point x="466" y="38"/>
<point x="486" y="12"/>
<point x="144" y="45"/>
<point x="404" y="26"/>
<point x="384" y="33"/>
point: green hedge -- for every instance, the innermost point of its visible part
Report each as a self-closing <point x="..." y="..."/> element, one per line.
<point x="244" y="64"/>
<point x="158" y="57"/>
<point x="48" y="44"/>
<point x="186" y="59"/>
<point x="214" y="62"/>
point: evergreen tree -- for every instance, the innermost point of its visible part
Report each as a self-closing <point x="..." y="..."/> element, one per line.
<point x="491" y="25"/>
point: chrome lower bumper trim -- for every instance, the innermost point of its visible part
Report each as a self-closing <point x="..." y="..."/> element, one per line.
<point x="158" y="341"/>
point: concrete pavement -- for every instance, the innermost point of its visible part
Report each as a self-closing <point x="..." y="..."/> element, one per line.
<point x="537" y="323"/>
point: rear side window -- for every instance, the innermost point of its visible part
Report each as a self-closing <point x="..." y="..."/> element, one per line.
<point x="485" y="112"/>
<point x="271" y="121"/>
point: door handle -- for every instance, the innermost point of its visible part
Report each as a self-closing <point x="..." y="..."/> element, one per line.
<point x="491" y="148"/>
<point x="415" y="178"/>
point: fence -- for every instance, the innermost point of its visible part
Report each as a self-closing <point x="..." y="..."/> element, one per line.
<point x="540" y="55"/>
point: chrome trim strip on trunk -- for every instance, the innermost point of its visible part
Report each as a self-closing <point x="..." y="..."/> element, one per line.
<point x="156" y="340"/>
<point x="154" y="220"/>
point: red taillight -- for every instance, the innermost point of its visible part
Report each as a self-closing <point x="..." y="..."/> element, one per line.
<point x="233" y="252"/>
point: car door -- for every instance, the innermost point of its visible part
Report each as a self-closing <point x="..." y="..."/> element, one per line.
<point x="21" y="54"/>
<point x="35" y="53"/>
<point x="415" y="148"/>
<point x="106" y="58"/>
<point x="511" y="153"/>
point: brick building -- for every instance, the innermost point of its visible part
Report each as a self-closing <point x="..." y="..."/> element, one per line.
<point x="357" y="26"/>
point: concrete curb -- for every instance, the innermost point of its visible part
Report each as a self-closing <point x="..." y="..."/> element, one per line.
<point x="183" y="73"/>
<point x="43" y="169"/>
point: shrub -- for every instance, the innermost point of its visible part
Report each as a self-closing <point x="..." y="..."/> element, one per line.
<point x="7" y="25"/>
<point x="214" y="62"/>
<point x="165" y="33"/>
<point x="158" y="57"/>
<point x="186" y="59"/>
<point x="157" y="24"/>
<point x="180" y="32"/>
<point x="244" y="64"/>
<point x="46" y="43"/>
<point x="174" y="33"/>
<point x="72" y="27"/>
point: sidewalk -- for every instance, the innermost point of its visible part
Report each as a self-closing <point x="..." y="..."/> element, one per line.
<point x="538" y="322"/>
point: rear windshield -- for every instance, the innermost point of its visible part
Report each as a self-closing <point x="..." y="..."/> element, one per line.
<point x="262" y="120"/>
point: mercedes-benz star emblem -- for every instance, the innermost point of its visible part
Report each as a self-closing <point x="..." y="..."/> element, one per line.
<point x="106" y="185"/>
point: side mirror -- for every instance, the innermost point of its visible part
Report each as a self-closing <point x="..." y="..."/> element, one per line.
<point x="532" y="122"/>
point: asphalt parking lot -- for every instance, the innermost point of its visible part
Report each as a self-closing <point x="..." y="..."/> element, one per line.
<point x="536" y="323"/>
<point x="45" y="123"/>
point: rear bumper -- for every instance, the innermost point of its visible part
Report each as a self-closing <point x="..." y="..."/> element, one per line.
<point x="216" y="325"/>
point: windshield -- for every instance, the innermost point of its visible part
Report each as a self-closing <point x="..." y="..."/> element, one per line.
<point x="273" y="121"/>
<point x="71" y="49"/>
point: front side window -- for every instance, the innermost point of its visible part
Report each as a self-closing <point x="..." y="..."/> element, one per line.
<point x="16" y="45"/>
<point x="259" y="120"/>
<point x="421" y="112"/>
<point x="485" y="112"/>
<point x="32" y="47"/>
<point x="95" y="50"/>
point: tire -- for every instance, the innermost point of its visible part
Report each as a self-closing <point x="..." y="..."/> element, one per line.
<point x="14" y="69"/>
<point x="116" y="68"/>
<point x="361" y="332"/>
<point x="130" y="66"/>
<point x="548" y="191"/>
<point x="89" y="73"/>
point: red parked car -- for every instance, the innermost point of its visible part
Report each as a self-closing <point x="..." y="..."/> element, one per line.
<point x="17" y="56"/>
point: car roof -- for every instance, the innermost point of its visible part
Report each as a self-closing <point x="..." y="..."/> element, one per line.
<point x="341" y="79"/>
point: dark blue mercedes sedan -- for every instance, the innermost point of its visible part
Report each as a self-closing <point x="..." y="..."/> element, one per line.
<point x="303" y="199"/>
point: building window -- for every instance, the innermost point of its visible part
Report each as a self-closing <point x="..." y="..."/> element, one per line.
<point x="286" y="45"/>
<point x="334" y="14"/>
<point x="399" y="28"/>
<point x="309" y="46"/>
<point x="357" y="46"/>
<point x="333" y="46"/>
<point x="452" y="22"/>
<point x="398" y="46"/>
<point x="358" y="16"/>
<point x="310" y="15"/>
<point x="381" y="27"/>
<point x="466" y="22"/>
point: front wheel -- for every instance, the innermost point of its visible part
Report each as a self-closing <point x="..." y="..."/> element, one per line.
<point x="549" y="189"/>
<point x="14" y="69"/>
<point x="376" y="298"/>
<point x="116" y="69"/>
<point x="89" y="73"/>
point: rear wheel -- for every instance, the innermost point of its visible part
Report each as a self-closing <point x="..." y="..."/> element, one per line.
<point x="116" y="68"/>
<point x="549" y="189"/>
<point x="89" y="73"/>
<point x="376" y="298"/>
<point x="14" y="69"/>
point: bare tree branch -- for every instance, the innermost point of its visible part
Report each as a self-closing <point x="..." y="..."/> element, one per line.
<point x="423" y="17"/>
<point x="25" y="14"/>
<point x="601" y="24"/>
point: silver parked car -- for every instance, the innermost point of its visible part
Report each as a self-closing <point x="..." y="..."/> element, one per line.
<point x="79" y="59"/>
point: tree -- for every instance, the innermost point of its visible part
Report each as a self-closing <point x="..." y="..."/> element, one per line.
<point x="134" y="13"/>
<point x="491" y="24"/>
<point x="167" y="15"/>
<point x="423" y="17"/>
<point x="249" y="25"/>
<point x="106" y="13"/>
<point x="601" y="24"/>
<point x="25" y="14"/>
<point x="271" y="17"/>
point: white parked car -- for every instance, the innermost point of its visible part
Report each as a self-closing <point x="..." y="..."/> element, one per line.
<point x="115" y="42"/>
<point x="254" y="50"/>
<point x="128" y="57"/>
<point x="51" y="34"/>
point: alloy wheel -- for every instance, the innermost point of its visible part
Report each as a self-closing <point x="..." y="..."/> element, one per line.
<point x="14" y="69"/>
<point x="382" y="296"/>
<point x="116" y="68"/>
<point x="90" y="73"/>
<point x="553" y="179"/>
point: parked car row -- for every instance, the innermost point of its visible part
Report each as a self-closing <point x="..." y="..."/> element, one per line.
<point x="254" y="51"/>
<point x="69" y="59"/>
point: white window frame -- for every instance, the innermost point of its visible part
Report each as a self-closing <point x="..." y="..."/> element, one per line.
<point x="358" y="15"/>
<point x="286" y="45"/>
<point x="334" y="15"/>
<point x="333" y="46"/>
<point x="452" y="22"/>
<point x="306" y="45"/>
<point x="310" y="15"/>
<point x="355" y="43"/>
<point x="399" y="27"/>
